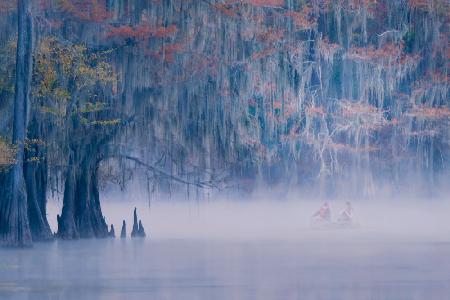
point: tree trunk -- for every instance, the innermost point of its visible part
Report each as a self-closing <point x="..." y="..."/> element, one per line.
<point x="14" y="225"/>
<point x="35" y="170"/>
<point x="66" y="222"/>
<point x="81" y="215"/>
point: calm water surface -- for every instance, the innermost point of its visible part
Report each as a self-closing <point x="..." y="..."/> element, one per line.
<point x="308" y="268"/>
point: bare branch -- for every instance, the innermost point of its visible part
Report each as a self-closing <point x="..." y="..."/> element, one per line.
<point x="155" y="170"/>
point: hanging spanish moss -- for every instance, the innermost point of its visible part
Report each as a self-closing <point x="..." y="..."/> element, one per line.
<point x="333" y="98"/>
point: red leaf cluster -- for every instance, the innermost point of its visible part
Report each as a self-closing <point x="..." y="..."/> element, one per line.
<point x="252" y="102"/>
<point x="7" y="6"/>
<point x="420" y="4"/>
<point x="271" y="35"/>
<point x="302" y="19"/>
<point x="161" y="32"/>
<point x="264" y="53"/>
<point x="430" y="112"/>
<point x="166" y="52"/>
<point x="357" y="4"/>
<point x="350" y="108"/>
<point x="440" y="77"/>
<point x="277" y="104"/>
<point x="90" y="11"/>
<point x="224" y="9"/>
<point x="352" y="5"/>
<point x="389" y="51"/>
<point x="141" y="32"/>
<point x="315" y="111"/>
<point x="266" y="3"/>
<point x="327" y="48"/>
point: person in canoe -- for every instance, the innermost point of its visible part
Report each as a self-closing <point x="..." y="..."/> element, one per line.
<point x="346" y="216"/>
<point x="323" y="214"/>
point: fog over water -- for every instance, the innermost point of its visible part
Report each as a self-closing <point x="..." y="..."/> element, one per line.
<point x="272" y="219"/>
<point x="243" y="250"/>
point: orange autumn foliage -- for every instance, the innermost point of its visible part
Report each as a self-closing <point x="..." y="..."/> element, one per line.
<point x="7" y="154"/>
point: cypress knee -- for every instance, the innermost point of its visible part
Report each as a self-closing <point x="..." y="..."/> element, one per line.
<point x="111" y="232"/>
<point x="135" y="231"/>
<point x="123" y="232"/>
<point x="141" y="231"/>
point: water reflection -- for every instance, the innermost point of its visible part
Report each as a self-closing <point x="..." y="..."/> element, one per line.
<point x="227" y="269"/>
